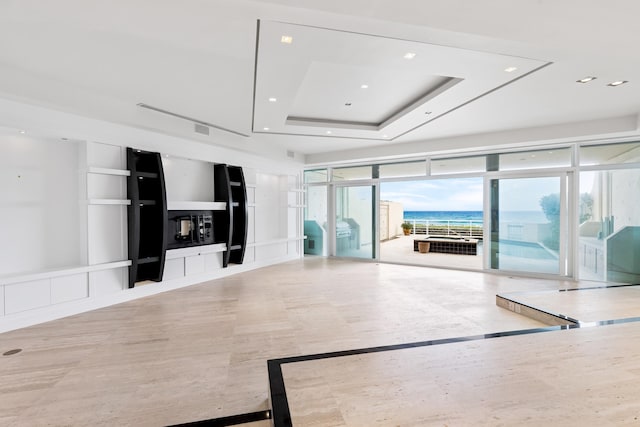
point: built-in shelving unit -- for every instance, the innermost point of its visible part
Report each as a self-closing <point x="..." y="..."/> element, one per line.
<point x="196" y="206"/>
<point x="108" y="171"/>
<point x="147" y="216"/>
<point x="114" y="221"/>
<point x="230" y="225"/>
<point x="124" y="202"/>
<point x="60" y="272"/>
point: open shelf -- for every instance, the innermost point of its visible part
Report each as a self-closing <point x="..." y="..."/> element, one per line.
<point x="150" y="175"/>
<point x="123" y="202"/>
<point x="196" y="206"/>
<point x="108" y="171"/>
<point x="196" y="250"/>
<point x="231" y="224"/>
<point x="147" y="216"/>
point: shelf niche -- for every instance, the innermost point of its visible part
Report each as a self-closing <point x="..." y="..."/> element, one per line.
<point x="147" y="216"/>
<point x="230" y="225"/>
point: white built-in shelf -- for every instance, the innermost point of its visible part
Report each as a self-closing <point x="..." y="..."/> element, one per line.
<point x="196" y="206"/>
<point x="58" y="272"/>
<point x="195" y="250"/>
<point x="250" y="186"/>
<point x="123" y="202"/>
<point x="251" y="205"/>
<point x="297" y="206"/>
<point x="108" y="171"/>
<point x="275" y="241"/>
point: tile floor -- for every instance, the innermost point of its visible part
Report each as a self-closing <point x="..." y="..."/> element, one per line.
<point x="200" y="352"/>
<point x="578" y="377"/>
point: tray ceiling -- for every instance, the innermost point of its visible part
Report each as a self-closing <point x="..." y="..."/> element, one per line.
<point x="323" y="82"/>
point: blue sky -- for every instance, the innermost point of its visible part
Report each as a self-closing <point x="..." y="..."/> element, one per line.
<point x="466" y="194"/>
<point x="435" y="195"/>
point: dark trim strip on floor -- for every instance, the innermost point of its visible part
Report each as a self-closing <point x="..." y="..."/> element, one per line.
<point x="281" y="414"/>
<point x="622" y="285"/>
<point x="230" y="420"/>
<point x="279" y="403"/>
<point x="280" y="406"/>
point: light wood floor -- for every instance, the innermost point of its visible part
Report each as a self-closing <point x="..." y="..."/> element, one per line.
<point x="200" y="352"/>
<point x="578" y="377"/>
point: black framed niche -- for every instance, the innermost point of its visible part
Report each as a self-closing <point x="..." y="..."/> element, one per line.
<point x="230" y="225"/>
<point x="147" y="216"/>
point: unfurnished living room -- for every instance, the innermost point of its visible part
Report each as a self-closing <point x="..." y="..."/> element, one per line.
<point x="279" y="213"/>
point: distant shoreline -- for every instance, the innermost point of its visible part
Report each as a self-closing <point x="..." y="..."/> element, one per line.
<point x="536" y="217"/>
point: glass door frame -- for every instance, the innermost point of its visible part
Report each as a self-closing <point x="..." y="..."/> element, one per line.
<point x="566" y="253"/>
<point x="331" y="219"/>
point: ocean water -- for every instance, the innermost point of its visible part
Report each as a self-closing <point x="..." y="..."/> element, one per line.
<point x="530" y="217"/>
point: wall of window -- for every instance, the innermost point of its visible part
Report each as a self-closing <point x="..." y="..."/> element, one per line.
<point x="599" y="237"/>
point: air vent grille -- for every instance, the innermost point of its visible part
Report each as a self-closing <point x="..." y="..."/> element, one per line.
<point x="204" y="130"/>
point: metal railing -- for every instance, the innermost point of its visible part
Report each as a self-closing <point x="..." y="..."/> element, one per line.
<point x="447" y="227"/>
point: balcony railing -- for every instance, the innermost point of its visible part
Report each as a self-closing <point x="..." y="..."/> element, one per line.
<point x="463" y="228"/>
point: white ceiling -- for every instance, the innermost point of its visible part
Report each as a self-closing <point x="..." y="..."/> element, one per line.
<point x="354" y="85"/>
<point x="202" y="59"/>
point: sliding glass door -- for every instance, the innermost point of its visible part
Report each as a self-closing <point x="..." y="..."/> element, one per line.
<point x="528" y="223"/>
<point x="354" y="225"/>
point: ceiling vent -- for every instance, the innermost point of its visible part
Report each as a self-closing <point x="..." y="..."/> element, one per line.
<point x="197" y="122"/>
<point x="202" y="129"/>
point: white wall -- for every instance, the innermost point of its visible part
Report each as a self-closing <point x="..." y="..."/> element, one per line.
<point x="188" y="180"/>
<point x="391" y="219"/>
<point x="39" y="210"/>
<point x="53" y="212"/>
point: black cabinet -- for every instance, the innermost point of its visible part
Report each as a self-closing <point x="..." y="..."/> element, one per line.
<point x="147" y="216"/>
<point x="189" y="228"/>
<point x="230" y="225"/>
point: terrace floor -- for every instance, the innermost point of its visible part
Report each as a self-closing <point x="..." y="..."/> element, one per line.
<point x="400" y="250"/>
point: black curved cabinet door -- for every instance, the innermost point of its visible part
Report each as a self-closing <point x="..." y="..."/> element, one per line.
<point x="230" y="225"/>
<point x="147" y="216"/>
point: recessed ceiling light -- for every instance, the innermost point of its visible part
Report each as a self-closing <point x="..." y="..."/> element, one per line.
<point x="586" y="79"/>
<point x="166" y="155"/>
<point x="273" y="99"/>
<point x="265" y="128"/>
<point x="22" y="131"/>
<point x="409" y="55"/>
<point x="364" y="86"/>
<point x="618" y="83"/>
<point x="328" y="132"/>
<point x="385" y="136"/>
<point x="286" y="39"/>
<point x="510" y="69"/>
